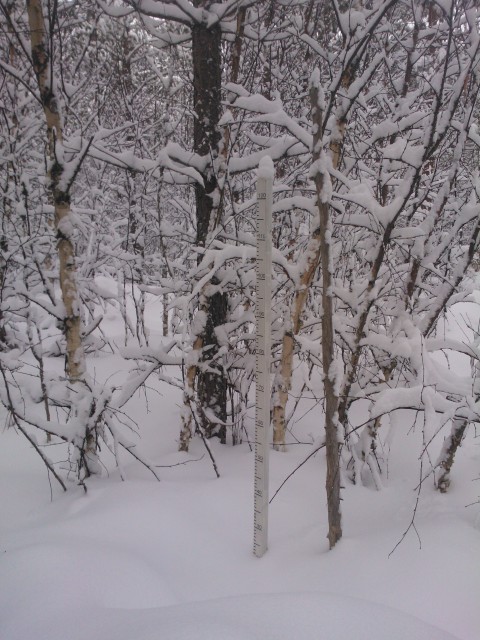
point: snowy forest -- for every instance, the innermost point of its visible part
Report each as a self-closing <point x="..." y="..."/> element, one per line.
<point x="131" y="132"/>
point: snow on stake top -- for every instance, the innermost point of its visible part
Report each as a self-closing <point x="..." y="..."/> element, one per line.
<point x="266" y="168"/>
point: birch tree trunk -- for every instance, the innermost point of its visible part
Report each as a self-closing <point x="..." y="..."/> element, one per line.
<point x="41" y="58"/>
<point x="311" y="261"/>
<point x="284" y="375"/>
<point x="75" y="366"/>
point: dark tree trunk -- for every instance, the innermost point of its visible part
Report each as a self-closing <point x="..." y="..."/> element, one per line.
<point x="207" y="79"/>
<point x="212" y="387"/>
<point x="3" y="251"/>
<point x="447" y="457"/>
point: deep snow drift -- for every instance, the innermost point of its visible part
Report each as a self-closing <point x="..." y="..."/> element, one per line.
<point x="143" y="560"/>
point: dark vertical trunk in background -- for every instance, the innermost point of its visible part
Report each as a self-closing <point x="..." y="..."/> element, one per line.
<point x="3" y="251"/>
<point x="207" y="80"/>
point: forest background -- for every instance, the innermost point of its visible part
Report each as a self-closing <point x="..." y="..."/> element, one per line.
<point x="131" y="133"/>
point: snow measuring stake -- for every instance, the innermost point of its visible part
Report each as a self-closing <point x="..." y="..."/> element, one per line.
<point x="262" y="351"/>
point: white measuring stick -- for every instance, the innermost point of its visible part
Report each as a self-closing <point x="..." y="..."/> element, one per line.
<point x="262" y="357"/>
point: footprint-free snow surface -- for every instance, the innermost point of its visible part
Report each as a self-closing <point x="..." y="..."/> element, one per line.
<point x="172" y="560"/>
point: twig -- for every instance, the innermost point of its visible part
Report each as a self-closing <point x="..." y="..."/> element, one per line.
<point x="204" y="440"/>
<point x="47" y="462"/>
<point x="412" y="521"/>
<point x="177" y="464"/>
<point x="19" y="426"/>
<point x="207" y="447"/>
<point x="296" y="469"/>
<point x="132" y="453"/>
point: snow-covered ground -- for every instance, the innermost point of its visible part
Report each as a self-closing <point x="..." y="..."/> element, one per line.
<point x="172" y="560"/>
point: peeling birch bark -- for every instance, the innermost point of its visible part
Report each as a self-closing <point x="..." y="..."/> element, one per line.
<point x="75" y="358"/>
<point x="283" y="378"/>
<point x="75" y="365"/>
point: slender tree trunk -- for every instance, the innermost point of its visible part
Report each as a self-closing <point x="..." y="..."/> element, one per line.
<point x="283" y="376"/>
<point x="310" y="263"/>
<point x="332" y="445"/>
<point x="75" y="366"/>
<point x="10" y="191"/>
<point x="75" y="358"/>
<point x="165" y="320"/>
<point x="3" y="331"/>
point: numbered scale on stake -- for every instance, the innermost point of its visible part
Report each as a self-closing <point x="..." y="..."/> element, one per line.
<point x="263" y="350"/>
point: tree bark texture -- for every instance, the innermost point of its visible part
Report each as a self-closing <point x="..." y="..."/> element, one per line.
<point x="211" y="384"/>
<point x="284" y="375"/>
<point x="447" y="457"/>
<point x="75" y="358"/>
<point x="311" y="263"/>
<point x="3" y="331"/>
<point x="332" y="445"/>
